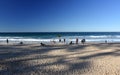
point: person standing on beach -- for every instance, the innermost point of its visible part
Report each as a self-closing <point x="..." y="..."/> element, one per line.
<point x="59" y="37"/>
<point x="64" y="40"/>
<point x="105" y="41"/>
<point x="7" y="41"/>
<point x="59" y="40"/>
<point x="76" y="40"/>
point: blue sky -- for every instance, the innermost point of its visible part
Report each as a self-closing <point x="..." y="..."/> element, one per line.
<point x="59" y="15"/>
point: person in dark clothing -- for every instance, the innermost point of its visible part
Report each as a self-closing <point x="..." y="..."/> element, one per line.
<point x="70" y="43"/>
<point x="83" y="41"/>
<point x="7" y="41"/>
<point x="59" y="40"/>
<point x="64" y="40"/>
<point x="105" y="41"/>
<point x="42" y="44"/>
<point x="21" y="42"/>
<point x="76" y="40"/>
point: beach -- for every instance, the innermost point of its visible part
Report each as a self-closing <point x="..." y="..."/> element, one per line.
<point x="76" y="59"/>
<point x="59" y="37"/>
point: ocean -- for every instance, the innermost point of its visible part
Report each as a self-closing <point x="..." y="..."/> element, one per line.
<point x="38" y="37"/>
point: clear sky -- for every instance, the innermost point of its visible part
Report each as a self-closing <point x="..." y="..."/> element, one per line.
<point x="59" y="15"/>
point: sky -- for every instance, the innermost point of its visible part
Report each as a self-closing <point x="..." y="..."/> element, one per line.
<point x="59" y="15"/>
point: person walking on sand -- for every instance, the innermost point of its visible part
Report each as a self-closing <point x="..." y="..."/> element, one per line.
<point x="7" y="41"/>
<point x="76" y="40"/>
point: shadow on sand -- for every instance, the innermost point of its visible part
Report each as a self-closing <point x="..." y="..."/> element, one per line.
<point x="17" y="60"/>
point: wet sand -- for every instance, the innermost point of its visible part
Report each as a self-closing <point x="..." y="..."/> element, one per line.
<point x="89" y="59"/>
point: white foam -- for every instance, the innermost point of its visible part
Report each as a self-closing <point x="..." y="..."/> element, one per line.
<point x="90" y="37"/>
<point x="68" y="39"/>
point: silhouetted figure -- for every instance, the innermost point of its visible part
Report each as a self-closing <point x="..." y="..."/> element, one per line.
<point x="21" y="43"/>
<point x="42" y="44"/>
<point x="64" y="40"/>
<point x="7" y="41"/>
<point x="70" y="43"/>
<point x="105" y="41"/>
<point x="59" y="37"/>
<point x="83" y="41"/>
<point x="59" y="40"/>
<point x="76" y="40"/>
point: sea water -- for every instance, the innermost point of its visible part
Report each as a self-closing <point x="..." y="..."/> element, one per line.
<point x="37" y="37"/>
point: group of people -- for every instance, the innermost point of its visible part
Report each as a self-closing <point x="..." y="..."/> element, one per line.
<point x="77" y="41"/>
<point x="64" y="40"/>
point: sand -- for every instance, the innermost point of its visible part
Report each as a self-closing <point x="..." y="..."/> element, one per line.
<point x="89" y="59"/>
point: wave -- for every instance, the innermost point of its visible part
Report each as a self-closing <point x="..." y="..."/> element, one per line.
<point x="91" y="38"/>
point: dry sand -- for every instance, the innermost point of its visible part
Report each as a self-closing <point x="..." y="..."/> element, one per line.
<point x="90" y="59"/>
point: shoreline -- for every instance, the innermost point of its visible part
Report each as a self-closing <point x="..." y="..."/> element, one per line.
<point x="55" y="43"/>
